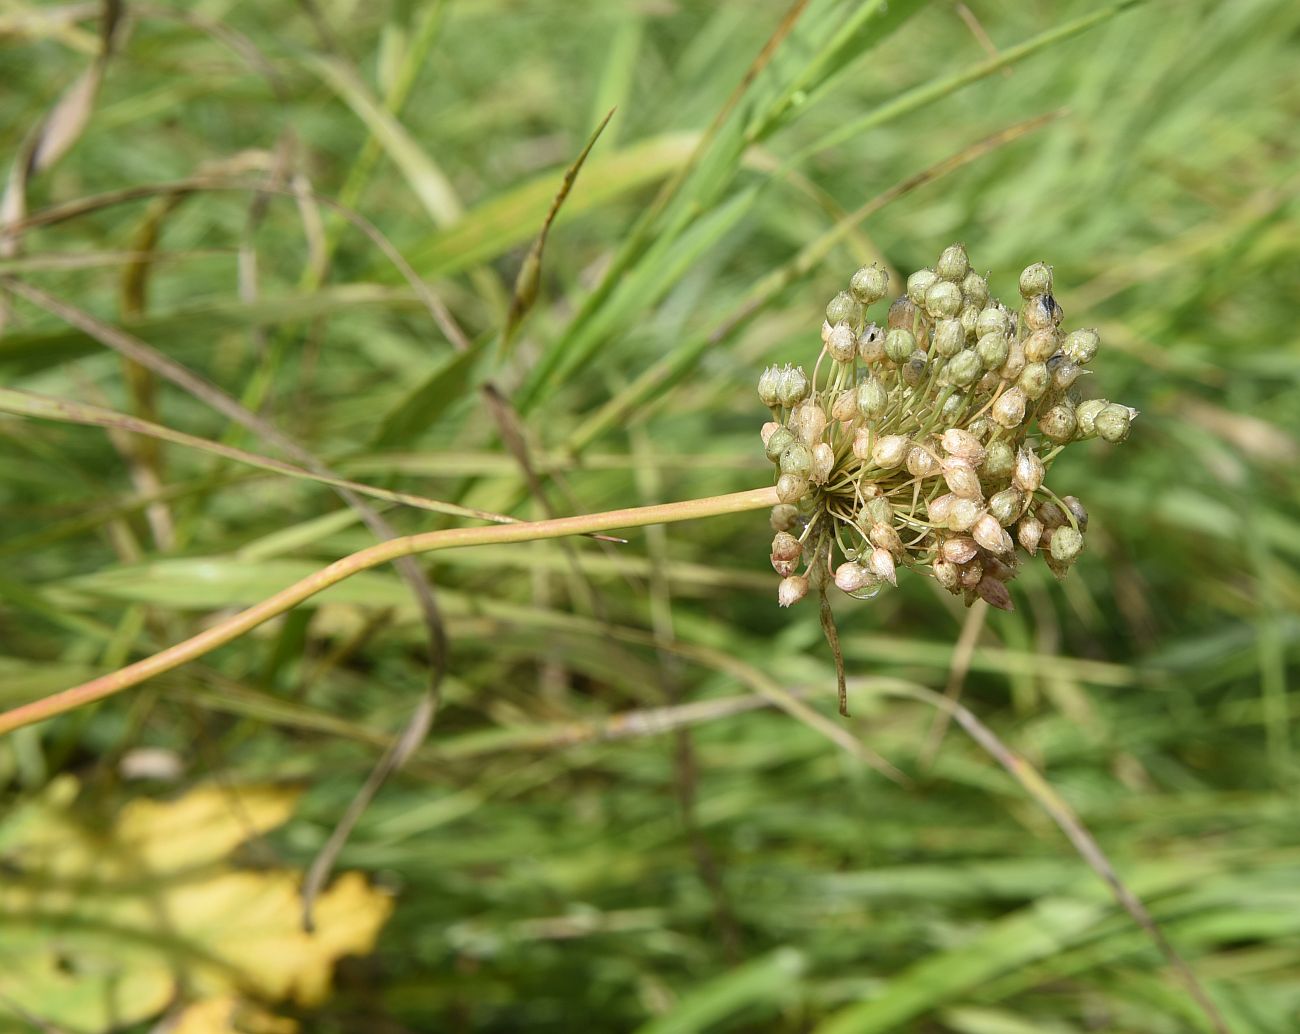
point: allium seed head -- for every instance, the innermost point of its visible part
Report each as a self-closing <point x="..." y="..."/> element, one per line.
<point x="869" y="284"/>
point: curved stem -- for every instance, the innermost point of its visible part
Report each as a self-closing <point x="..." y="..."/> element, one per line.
<point x="373" y="556"/>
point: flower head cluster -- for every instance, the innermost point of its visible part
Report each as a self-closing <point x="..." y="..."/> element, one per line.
<point x="926" y="442"/>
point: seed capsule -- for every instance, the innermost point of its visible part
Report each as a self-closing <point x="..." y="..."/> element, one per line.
<point x="777" y="442"/>
<point x="920" y="462"/>
<point x="1033" y="380"/>
<point x="823" y="463"/>
<point x="881" y="563"/>
<point x="947" y="574"/>
<point x="960" y="476"/>
<point x="1086" y="413"/>
<point x="1036" y="280"/>
<point x="994" y="593"/>
<point x="969" y="318"/>
<point x="1064" y="372"/>
<point x="993" y="350"/>
<point x="842" y="343"/>
<point x="965" y="512"/>
<point x="862" y="443"/>
<point x="784" y="517"/>
<point x="1066" y="544"/>
<point x="1041" y="312"/>
<point x="845" y="406"/>
<point x="796" y="459"/>
<point x="953" y="264"/>
<point x="793" y="387"/>
<point x="890" y="451"/>
<point x="902" y="313"/>
<point x="1041" y="345"/>
<point x="767" y="386"/>
<point x="900" y="343"/>
<point x="885" y="536"/>
<point x="965" y="367"/>
<point x="1112" y="423"/>
<point x="992" y="319"/>
<point x="869" y="284"/>
<point x="939" y="509"/>
<point x="786" y="551"/>
<point x="1028" y="474"/>
<point x="1007" y="505"/>
<point x="1059" y="423"/>
<point x="842" y="308"/>
<point x="960" y="550"/>
<point x="918" y="283"/>
<point x="989" y="534"/>
<point x="768" y="429"/>
<point x="971" y="573"/>
<point x="1078" y="510"/>
<point x="871" y="345"/>
<point x="1081" y="345"/>
<point x="1029" y="533"/>
<point x="1051" y="515"/>
<point x="999" y="461"/>
<point x="808" y="421"/>
<point x="853" y="577"/>
<point x="943" y="298"/>
<point x="1009" y="410"/>
<point x="1015" y="363"/>
<point x="949" y="338"/>
<point x="792" y="590"/>
<point x="958" y="442"/>
<point x="976" y="289"/>
<point x="872" y="399"/>
<point x="790" y="488"/>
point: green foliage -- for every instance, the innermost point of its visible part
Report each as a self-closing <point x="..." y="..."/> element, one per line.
<point x="608" y="827"/>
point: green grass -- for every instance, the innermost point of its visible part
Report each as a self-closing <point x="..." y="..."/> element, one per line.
<point x="747" y="873"/>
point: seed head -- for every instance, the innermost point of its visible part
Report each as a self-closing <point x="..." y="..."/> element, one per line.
<point x="925" y="443"/>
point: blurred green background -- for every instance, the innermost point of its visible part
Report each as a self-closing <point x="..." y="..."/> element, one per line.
<point x="702" y="862"/>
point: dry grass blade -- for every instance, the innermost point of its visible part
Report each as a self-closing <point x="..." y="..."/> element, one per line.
<point x="530" y="273"/>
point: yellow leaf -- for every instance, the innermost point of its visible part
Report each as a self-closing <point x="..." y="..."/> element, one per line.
<point x="103" y="926"/>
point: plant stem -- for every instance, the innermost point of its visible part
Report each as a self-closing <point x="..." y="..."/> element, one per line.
<point x="373" y="556"/>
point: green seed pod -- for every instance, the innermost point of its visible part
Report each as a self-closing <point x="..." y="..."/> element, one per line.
<point x="953" y="264"/>
<point x="988" y="383"/>
<point x="1066" y="544"/>
<point x="999" y="461"/>
<point x="853" y="578"/>
<point x="976" y="290"/>
<point x="841" y="308"/>
<point x="991" y="320"/>
<point x="872" y="399"/>
<point x="871" y="345"/>
<point x="954" y="402"/>
<point x="921" y="463"/>
<point x="993" y="350"/>
<point x="943" y="298"/>
<point x="767" y="386"/>
<point x="1059" y="423"/>
<point x="980" y="427"/>
<point x="869" y="284"/>
<point x="969" y="318"/>
<point x="776" y="444"/>
<point x="900" y="343"/>
<point x="1007" y="505"/>
<point x="784" y="517"/>
<point x="902" y="313"/>
<point x="1036" y="280"/>
<point x="884" y="536"/>
<point x="1033" y="380"/>
<point x="1041" y="312"/>
<point x="1113" y="422"/>
<point x="823" y="463"/>
<point x="1082" y="345"/>
<point x="959" y="442"/>
<point x="1009" y="410"/>
<point x="918" y="283"/>
<point x="842" y="343"/>
<point x="790" y="488"/>
<point x="796" y="459"/>
<point x="879" y="511"/>
<point x="1041" y="345"/>
<point x="1015" y="363"/>
<point x="1086" y="413"/>
<point x="965" y="367"/>
<point x="949" y="338"/>
<point x="793" y="387"/>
